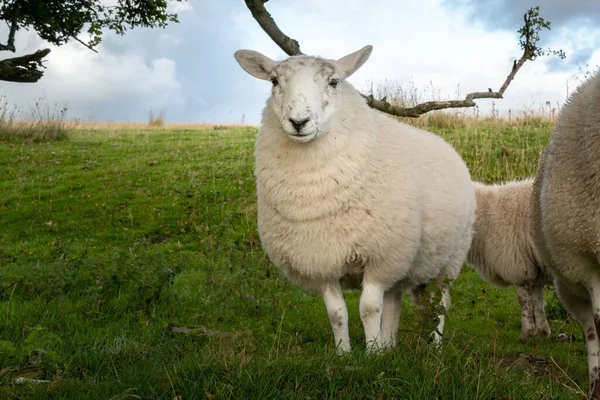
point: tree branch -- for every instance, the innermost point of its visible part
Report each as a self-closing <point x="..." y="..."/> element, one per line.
<point x="292" y="47"/>
<point x="516" y="67"/>
<point x="423" y="108"/>
<point x="24" y="69"/>
<point x="10" y="44"/>
<point x="85" y="44"/>
<point x="267" y="23"/>
<point x="419" y="109"/>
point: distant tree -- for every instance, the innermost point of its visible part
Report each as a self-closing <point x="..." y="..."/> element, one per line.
<point x="529" y="33"/>
<point x="60" y="21"/>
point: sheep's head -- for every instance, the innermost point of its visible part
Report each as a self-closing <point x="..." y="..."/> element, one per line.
<point x="305" y="93"/>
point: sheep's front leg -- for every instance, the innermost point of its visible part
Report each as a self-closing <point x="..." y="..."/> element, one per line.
<point x="527" y="322"/>
<point x="390" y="319"/>
<point x="580" y="307"/>
<point x="594" y="355"/>
<point x="338" y="315"/>
<point x="592" y="345"/>
<point x="371" y="305"/>
<point x="539" y="309"/>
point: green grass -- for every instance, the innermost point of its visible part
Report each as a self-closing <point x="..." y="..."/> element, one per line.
<point x="115" y="241"/>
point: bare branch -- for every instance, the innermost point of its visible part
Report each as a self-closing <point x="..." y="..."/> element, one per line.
<point x="419" y="109"/>
<point x="529" y="34"/>
<point x="516" y="66"/>
<point x="23" y="69"/>
<point x="264" y="19"/>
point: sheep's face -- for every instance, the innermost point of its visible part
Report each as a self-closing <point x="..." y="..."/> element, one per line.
<point x="304" y="96"/>
<point x="306" y="89"/>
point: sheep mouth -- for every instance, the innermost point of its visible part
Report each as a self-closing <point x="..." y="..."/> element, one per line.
<point x="301" y="134"/>
<point x="302" y="137"/>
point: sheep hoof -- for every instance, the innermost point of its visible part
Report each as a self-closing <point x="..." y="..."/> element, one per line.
<point x="595" y="387"/>
<point x="544" y="331"/>
<point x="373" y="349"/>
<point x="526" y="334"/>
<point x="373" y="352"/>
<point x="342" y="351"/>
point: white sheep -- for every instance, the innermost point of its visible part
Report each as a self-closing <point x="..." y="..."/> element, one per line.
<point x="503" y="252"/>
<point x="566" y="214"/>
<point x="349" y="196"/>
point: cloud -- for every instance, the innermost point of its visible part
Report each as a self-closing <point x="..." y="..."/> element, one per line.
<point x="188" y="69"/>
<point x="440" y="50"/>
<point x="178" y="7"/>
<point x="99" y="86"/>
<point x="509" y="13"/>
<point x="181" y="69"/>
<point x="579" y="44"/>
<point x="574" y="24"/>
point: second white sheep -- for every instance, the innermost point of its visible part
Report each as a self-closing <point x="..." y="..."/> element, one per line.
<point x="503" y="251"/>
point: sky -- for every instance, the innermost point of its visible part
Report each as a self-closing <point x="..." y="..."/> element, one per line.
<point x="441" y="49"/>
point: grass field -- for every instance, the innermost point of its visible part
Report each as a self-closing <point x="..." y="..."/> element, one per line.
<point x="131" y="269"/>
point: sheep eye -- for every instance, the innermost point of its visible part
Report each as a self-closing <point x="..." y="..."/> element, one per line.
<point x="333" y="83"/>
<point x="274" y="81"/>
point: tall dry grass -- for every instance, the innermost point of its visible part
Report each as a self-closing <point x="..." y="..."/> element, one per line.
<point x="39" y="124"/>
<point x="156" y="121"/>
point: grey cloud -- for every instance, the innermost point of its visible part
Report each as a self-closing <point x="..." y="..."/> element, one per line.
<point x="576" y="59"/>
<point x="563" y="14"/>
<point x="509" y="13"/>
<point x="207" y="81"/>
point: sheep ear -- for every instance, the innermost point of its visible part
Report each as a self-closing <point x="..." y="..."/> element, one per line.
<point x="348" y="65"/>
<point x="255" y="63"/>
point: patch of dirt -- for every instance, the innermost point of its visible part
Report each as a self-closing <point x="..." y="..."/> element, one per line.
<point x="530" y="363"/>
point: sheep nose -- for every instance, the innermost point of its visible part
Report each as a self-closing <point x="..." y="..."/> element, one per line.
<point x="298" y="124"/>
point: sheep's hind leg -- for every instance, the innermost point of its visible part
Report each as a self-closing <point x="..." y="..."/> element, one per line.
<point x="423" y="298"/>
<point x="539" y="309"/>
<point x="338" y="315"/>
<point x="390" y="319"/>
<point x="525" y="301"/>
<point x="371" y="305"/>
<point x="445" y="302"/>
